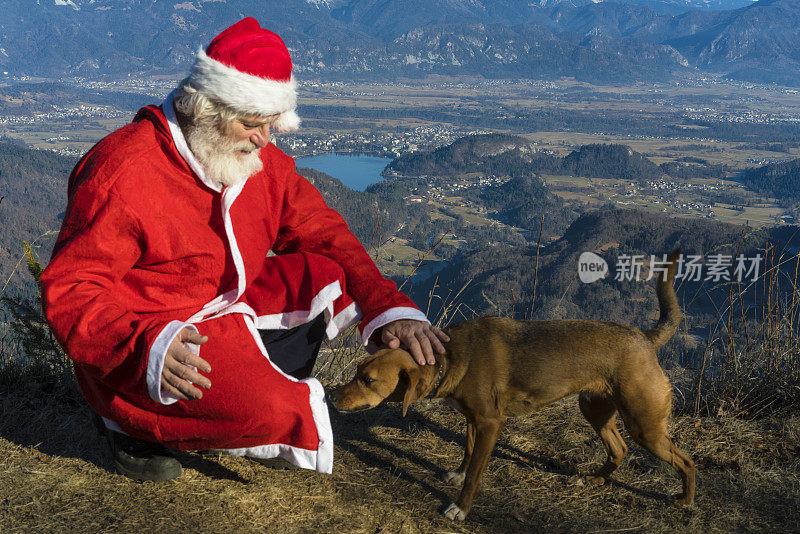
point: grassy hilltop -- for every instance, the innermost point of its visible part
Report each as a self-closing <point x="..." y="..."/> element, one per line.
<point x="55" y="475"/>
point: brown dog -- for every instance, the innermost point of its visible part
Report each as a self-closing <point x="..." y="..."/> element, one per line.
<point x="495" y="368"/>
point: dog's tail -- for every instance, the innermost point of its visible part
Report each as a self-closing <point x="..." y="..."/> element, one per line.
<point x="671" y="314"/>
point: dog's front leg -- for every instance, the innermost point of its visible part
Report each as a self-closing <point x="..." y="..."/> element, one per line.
<point x="457" y="477"/>
<point x="486" y="433"/>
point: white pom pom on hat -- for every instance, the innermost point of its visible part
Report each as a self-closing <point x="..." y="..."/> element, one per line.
<point x="249" y="69"/>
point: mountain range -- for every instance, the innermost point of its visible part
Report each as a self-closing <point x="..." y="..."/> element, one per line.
<point x="641" y="40"/>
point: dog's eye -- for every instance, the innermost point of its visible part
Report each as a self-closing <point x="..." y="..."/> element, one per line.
<point x="366" y="380"/>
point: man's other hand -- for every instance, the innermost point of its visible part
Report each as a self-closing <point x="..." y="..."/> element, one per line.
<point x="420" y="338"/>
<point x="179" y="375"/>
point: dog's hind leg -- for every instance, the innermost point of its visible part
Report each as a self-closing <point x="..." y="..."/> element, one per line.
<point x="601" y="413"/>
<point x="657" y="441"/>
<point x="457" y="477"/>
<point x="646" y="421"/>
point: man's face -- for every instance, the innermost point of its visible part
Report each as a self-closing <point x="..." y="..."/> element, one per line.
<point x="252" y="128"/>
<point x="229" y="151"/>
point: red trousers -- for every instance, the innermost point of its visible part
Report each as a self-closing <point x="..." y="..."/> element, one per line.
<point x="253" y="408"/>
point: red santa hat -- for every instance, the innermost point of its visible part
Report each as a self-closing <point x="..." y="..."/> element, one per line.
<point x="249" y="69"/>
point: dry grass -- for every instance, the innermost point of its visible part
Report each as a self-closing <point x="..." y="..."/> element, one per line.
<point x="55" y="476"/>
<point x="749" y="365"/>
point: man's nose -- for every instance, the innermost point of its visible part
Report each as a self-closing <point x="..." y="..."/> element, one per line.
<point x="260" y="137"/>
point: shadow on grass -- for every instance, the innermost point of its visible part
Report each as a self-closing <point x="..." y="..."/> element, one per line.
<point x="353" y="434"/>
<point x="53" y="418"/>
<point x="208" y="467"/>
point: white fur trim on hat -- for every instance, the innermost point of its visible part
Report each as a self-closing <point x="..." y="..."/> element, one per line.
<point x="288" y="121"/>
<point x="246" y="93"/>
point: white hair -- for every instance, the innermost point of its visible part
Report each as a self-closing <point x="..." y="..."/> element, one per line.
<point x="197" y="107"/>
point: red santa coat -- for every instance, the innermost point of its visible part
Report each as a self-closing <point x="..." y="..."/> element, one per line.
<point x="149" y="246"/>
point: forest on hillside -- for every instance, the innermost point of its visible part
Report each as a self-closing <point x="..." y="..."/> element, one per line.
<point x="503" y="278"/>
<point x="507" y="155"/>
<point x="33" y="185"/>
<point x="776" y="180"/>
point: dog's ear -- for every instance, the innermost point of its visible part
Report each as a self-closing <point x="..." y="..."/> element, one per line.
<point x="418" y="386"/>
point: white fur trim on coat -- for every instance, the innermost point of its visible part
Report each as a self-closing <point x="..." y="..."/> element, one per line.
<point x="392" y="314"/>
<point x="248" y="94"/>
<point x="156" y="357"/>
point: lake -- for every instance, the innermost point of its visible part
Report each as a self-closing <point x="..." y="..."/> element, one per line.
<point x="356" y="171"/>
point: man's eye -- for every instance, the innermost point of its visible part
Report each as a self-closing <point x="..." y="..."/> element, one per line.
<point x="367" y="380"/>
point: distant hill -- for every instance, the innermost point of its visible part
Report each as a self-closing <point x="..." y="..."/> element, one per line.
<point x="503" y="277"/>
<point x="507" y="155"/>
<point x="609" y="161"/>
<point x="34" y="185"/>
<point x="529" y="50"/>
<point x="473" y="153"/>
<point x="759" y="42"/>
<point x="368" y="39"/>
<point x="689" y="167"/>
<point x="777" y="180"/>
<point x="525" y="202"/>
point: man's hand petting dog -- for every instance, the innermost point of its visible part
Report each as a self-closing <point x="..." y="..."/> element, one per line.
<point x="421" y="339"/>
<point x="180" y="367"/>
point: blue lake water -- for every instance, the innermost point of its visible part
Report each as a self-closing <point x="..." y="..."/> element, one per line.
<point x="356" y="171"/>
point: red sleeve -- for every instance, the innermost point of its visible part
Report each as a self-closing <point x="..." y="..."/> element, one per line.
<point x="308" y="224"/>
<point x="98" y="244"/>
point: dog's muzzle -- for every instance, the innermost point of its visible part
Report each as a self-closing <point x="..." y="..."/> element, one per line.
<point x="333" y="400"/>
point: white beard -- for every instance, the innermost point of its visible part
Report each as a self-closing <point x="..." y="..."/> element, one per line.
<point x="220" y="157"/>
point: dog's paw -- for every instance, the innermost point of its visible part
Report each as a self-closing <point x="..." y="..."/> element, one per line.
<point x="681" y="500"/>
<point x="454" y="512"/>
<point x="453" y="477"/>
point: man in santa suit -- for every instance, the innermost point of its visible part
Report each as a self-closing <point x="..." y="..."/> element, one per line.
<point x="196" y="274"/>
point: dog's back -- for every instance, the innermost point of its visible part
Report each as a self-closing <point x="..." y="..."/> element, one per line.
<point x="555" y="358"/>
<point x="524" y="365"/>
<point x="515" y="367"/>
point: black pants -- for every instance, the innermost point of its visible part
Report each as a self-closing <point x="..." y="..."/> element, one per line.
<point x="295" y="351"/>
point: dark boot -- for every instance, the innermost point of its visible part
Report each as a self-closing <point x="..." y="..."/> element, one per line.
<point x="140" y="460"/>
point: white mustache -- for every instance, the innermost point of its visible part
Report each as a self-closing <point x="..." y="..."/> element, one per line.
<point x="248" y="147"/>
<point x="225" y="161"/>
